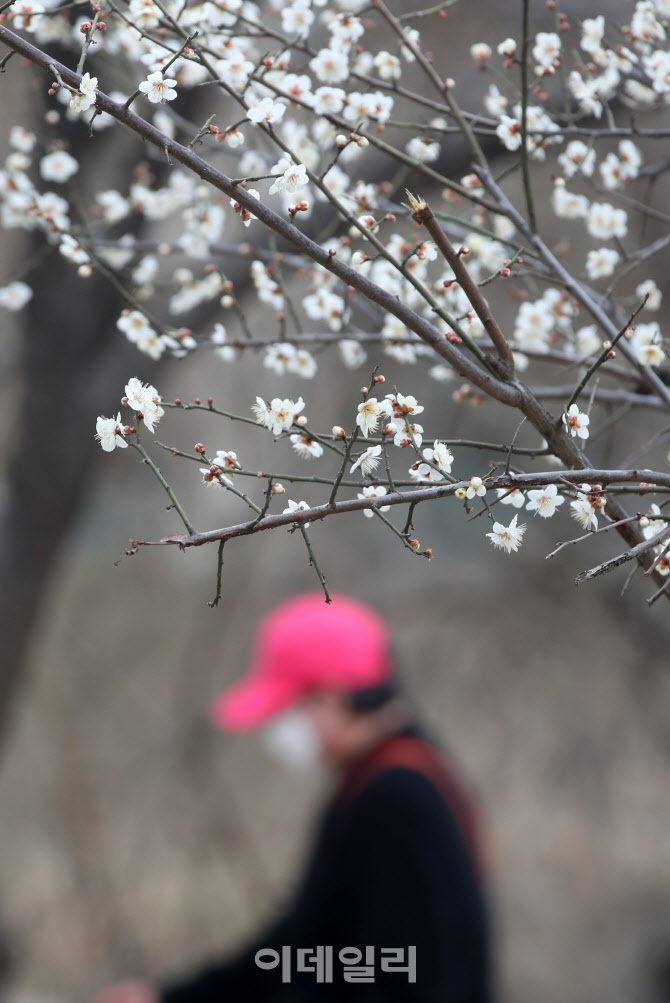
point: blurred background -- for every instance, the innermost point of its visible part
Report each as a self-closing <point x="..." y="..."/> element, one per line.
<point x="135" y="840"/>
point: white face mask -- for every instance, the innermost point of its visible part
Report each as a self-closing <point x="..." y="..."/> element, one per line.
<point x="293" y="740"/>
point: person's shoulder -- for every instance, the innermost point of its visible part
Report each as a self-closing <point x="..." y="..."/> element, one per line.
<point x="398" y="786"/>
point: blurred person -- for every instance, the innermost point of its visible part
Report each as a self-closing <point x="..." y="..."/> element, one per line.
<point x="392" y="905"/>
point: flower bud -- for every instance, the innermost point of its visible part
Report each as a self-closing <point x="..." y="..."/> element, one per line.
<point x="338" y="432"/>
<point x="391" y="428"/>
<point x="199" y="448"/>
<point x="301" y="421"/>
<point x="278" y="489"/>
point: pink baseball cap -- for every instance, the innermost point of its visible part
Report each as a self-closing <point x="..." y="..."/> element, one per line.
<point x="301" y="645"/>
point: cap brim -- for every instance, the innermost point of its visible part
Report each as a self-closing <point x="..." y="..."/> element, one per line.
<point x="253" y="701"/>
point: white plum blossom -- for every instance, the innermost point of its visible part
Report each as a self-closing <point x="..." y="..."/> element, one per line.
<point x="137" y="329"/>
<point x="158" y="89"/>
<point x="587" y="340"/>
<point x="279" y="356"/>
<point x="388" y="66"/>
<point x="305" y="445"/>
<point x="650" y="525"/>
<point x="226" y="460"/>
<point x="546" y="50"/>
<point x="568" y="205"/>
<point x="476" y="488"/>
<point x="423" y="149"/>
<point x="214" y="479"/>
<point x="509" y="132"/>
<point x="615" y="170"/>
<point x="369" y="413"/>
<point x="86" y="95"/>
<point x="587" y="91"/>
<point x="657" y="68"/>
<point x="279" y="414"/>
<point x="399" y="405"/>
<point x="27" y="16"/>
<point x="294" y="506"/>
<point x="507" y="538"/>
<point x="650" y="289"/>
<point x="352" y="352"/>
<point x="58" y="166"/>
<point x="495" y="102"/>
<point x="583" y="509"/>
<point x="109" y="432"/>
<point x="373" y="492"/>
<point x="533" y="326"/>
<point x="331" y="66"/>
<point x="516" y="497"/>
<point x="291" y="177"/>
<point x="507" y="48"/>
<point x="592" y="33"/>
<point x="21" y="139"/>
<point x="144" y="14"/>
<point x="576" y="422"/>
<point x="235" y="69"/>
<point x="71" y="250"/>
<point x="15" y="295"/>
<point x="577" y="158"/>
<point x="144" y="398"/>
<point x="303" y="363"/>
<point x="480" y="52"/>
<point x="425" y="473"/>
<point x="647" y="343"/>
<point x="367" y="461"/>
<point x="440" y="454"/>
<point x="601" y="262"/>
<point x="368" y="104"/>
<point x="297" y="19"/>
<point x="328" y="100"/>
<point x="345" y="30"/>
<point x="402" y="437"/>
<point x="220" y="338"/>
<point x="266" y="110"/>
<point x="603" y="221"/>
<point x="544" y="501"/>
<point x="644" y="26"/>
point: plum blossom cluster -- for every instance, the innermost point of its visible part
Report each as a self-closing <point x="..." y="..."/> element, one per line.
<point x="286" y="186"/>
<point x="145" y="400"/>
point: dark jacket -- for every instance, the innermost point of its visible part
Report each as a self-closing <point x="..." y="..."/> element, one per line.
<point x="395" y="864"/>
